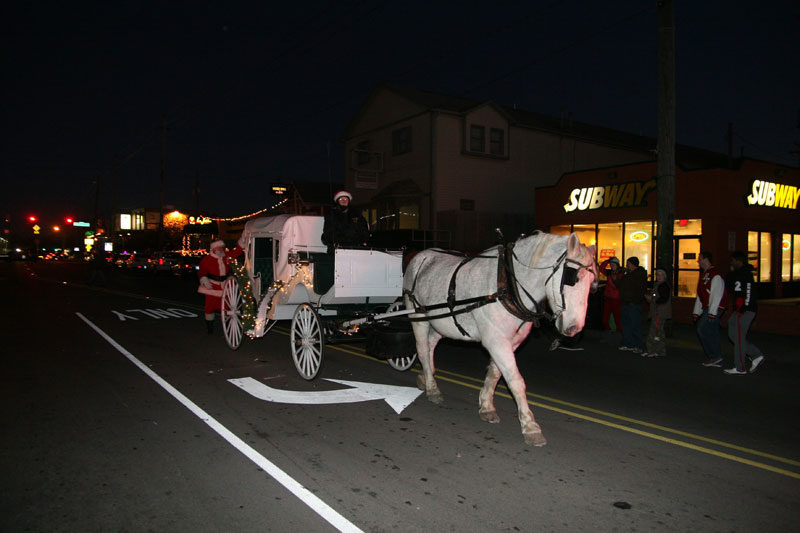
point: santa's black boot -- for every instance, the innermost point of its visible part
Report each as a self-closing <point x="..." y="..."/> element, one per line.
<point x="210" y="326"/>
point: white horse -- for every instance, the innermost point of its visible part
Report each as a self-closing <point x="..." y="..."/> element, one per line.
<point x="558" y="269"/>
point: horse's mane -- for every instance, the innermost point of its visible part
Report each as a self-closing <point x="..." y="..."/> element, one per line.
<point x="540" y="243"/>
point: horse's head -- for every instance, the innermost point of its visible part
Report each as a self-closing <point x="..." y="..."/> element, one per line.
<point x="569" y="286"/>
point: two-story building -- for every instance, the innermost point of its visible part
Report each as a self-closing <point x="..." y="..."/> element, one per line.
<point x="416" y="159"/>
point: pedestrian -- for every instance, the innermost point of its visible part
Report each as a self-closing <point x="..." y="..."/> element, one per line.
<point x="342" y="226"/>
<point x="632" y="287"/>
<point x="744" y="306"/>
<point x="708" y="308"/>
<point x="212" y="272"/>
<point x="611" y="304"/>
<point x="660" y="299"/>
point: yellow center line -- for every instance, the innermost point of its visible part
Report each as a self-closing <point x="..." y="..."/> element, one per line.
<point x="464" y="380"/>
<point x="474" y="383"/>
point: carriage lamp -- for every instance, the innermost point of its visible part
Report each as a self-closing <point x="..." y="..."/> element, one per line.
<point x="293" y="257"/>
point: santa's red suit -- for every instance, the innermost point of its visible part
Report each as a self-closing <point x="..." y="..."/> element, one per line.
<point x="212" y="272"/>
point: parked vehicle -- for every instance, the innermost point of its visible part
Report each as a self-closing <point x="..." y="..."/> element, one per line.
<point x="162" y="262"/>
<point x="187" y="266"/>
<point x="139" y="261"/>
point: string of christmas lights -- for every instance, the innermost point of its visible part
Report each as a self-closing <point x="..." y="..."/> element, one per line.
<point x="235" y="219"/>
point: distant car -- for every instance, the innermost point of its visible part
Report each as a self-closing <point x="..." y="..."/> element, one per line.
<point x="139" y="261"/>
<point x="163" y="262"/>
<point x="187" y="266"/>
<point x="121" y="260"/>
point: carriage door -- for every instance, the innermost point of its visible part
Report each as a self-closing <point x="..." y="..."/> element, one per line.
<point x="687" y="271"/>
<point x="262" y="264"/>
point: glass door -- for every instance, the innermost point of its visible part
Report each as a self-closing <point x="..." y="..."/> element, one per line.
<point x="687" y="271"/>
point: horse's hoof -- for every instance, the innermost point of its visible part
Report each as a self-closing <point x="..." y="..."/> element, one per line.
<point x="489" y="416"/>
<point x="536" y="438"/>
<point x="435" y="397"/>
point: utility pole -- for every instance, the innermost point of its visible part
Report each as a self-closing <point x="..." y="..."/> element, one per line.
<point x="97" y="203"/>
<point x="114" y="183"/>
<point x="197" y="191"/>
<point x="666" y="137"/>
<point x="163" y="174"/>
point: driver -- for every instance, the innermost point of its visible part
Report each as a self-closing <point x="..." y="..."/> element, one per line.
<point x="343" y="227"/>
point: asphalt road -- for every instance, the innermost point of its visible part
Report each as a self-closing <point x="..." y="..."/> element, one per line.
<point x="118" y="414"/>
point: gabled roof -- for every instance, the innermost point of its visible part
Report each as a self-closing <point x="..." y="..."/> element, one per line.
<point x="687" y="156"/>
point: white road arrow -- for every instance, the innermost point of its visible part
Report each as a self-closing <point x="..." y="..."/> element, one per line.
<point x="397" y="397"/>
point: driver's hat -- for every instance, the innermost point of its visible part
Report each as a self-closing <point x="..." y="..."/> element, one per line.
<point x="342" y="194"/>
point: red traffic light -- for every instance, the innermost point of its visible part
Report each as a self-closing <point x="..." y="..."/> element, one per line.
<point x="69" y="220"/>
<point x="32" y="218"/>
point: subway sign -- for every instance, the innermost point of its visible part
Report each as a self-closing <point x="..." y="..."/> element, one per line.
<point x="771" y="194"/>
<point x="610" y="196"/>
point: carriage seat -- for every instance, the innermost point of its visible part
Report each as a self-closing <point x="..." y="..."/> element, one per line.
<point x="323" y="271"/>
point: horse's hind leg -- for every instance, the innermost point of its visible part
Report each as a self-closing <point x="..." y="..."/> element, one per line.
<point x="427" y="339"/>
<point x="503" y="357"/>
<point x="486" y="409"/>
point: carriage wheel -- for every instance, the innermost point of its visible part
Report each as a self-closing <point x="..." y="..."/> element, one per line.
<point x="307" y="341"/>
<point x="232" y="313"/>
<point x="400" y="363"/>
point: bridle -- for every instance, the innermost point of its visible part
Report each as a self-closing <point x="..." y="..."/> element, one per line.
<point x="569" y="277"/>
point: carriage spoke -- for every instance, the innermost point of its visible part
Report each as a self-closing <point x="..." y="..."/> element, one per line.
<point x="306" y="341"/>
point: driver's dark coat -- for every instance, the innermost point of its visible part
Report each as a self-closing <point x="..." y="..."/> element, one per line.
<point x="344" y="228"/>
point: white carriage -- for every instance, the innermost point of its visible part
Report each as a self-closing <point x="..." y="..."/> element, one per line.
<point x="288" y="274"/>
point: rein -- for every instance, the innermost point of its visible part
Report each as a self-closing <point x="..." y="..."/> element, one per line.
<point x="508" y="289"/>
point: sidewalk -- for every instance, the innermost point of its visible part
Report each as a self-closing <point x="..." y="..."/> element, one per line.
<point x="684" y="344"/>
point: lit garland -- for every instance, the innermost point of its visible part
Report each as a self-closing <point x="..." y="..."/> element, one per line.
<point x="248" y="302"/>
<point x="235" y="219"/>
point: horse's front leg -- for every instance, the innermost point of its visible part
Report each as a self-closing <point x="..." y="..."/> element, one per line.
<point x="503" y="357"/>
<point x="486" y="409"/>
<point x="427" y="339"/>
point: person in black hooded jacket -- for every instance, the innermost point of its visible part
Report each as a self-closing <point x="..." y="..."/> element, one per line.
<point x="344" y="227"/>
<point x="744" y="304"/>
<point x="632" y="288"/>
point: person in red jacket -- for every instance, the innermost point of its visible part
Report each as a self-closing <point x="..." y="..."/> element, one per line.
<point x="611" y="302"/>
<point x="213" y="270"/>
<point x="709" y="308"/>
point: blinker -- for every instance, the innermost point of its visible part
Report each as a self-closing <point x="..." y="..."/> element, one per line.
<point x="570" y="276"/>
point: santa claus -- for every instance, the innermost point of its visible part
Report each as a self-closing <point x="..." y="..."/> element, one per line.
<point x="212" y="272"/>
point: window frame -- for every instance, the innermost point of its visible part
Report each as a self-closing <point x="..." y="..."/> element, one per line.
<point x="497" y="146"/>
<point x="402" y="139"/>
<point x="477" y="143"/>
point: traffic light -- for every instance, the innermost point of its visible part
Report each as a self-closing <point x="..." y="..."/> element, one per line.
<point x="68" y="220"/>
<point x="32" y="218"/>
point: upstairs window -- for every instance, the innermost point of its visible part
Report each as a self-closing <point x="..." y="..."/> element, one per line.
<point x="477" y="138"/>
<point x="364" y="148"/>
<point x="401" y="141"/>
<point x="496" y="141"/>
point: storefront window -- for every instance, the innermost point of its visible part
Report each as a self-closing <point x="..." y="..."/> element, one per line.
<point x="586" y="233"/>
<point x="796" y="257"/>
<point x="790" y="257"/>
<point x="561" y="230"/>
<point x="638" y="243"/>
<point x="609" y="240"/>
<point x="759" y="254"/>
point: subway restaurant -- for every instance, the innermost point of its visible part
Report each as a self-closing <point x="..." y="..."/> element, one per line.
<point x="752" y="206"/>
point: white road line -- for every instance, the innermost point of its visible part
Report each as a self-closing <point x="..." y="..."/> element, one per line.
<point x="317" y="505"/>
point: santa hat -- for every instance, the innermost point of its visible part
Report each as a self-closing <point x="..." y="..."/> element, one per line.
<point x="341" y="194"/>
<point x="216" y="244"/>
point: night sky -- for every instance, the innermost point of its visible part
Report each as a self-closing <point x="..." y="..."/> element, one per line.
<point x="255" y="93"/>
